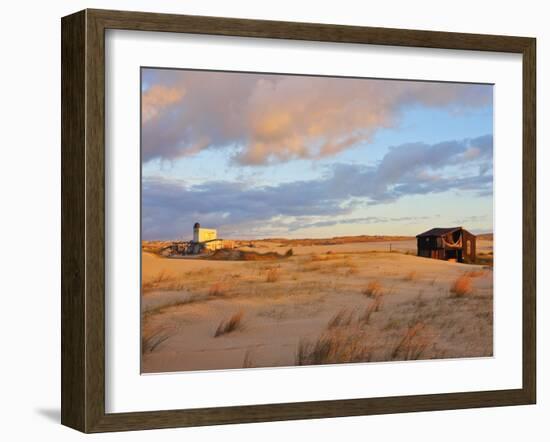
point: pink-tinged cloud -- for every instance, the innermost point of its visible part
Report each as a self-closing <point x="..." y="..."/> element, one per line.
<point x="276" y="118"/>
<point x="157" y="99"/>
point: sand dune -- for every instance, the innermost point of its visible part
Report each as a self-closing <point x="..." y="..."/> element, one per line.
<point x="325" y="304"/>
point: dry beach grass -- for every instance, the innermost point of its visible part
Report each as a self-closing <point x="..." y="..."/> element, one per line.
<point x="322" y="304"/>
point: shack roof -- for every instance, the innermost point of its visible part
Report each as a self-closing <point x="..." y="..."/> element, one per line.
<point x="439" y="231"/>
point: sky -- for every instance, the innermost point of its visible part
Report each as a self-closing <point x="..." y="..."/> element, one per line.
<point x="269" y="155"/>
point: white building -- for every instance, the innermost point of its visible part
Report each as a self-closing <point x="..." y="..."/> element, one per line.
<point x="200" y="234"/>
<point x="207" y="239"/>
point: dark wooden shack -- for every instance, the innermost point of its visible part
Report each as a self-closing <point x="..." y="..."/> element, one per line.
<point x="447" y="243"/>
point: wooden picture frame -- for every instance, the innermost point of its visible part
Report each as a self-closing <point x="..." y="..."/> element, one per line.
<point x="83" y="220"/>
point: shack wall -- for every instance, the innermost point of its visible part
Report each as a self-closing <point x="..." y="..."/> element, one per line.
<point x="468" y="247"/>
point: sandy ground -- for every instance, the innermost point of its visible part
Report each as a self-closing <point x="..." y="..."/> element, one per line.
<point x="356" y="303"/>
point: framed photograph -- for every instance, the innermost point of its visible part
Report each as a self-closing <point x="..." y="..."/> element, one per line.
<point x="267" y="220"/>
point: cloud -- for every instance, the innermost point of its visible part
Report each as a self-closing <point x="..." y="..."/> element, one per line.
<point x="170" y="206"/>
<point x="360" y="220"/>
<point x="276" y="118"/>
<point x="157" y="99"/>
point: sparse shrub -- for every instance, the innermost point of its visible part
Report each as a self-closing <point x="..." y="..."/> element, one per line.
<point x="462" y="286"/>
<point x="412" y="345"/>
<point x="160" y="277"/>
<point x="378" y="301"/>
<point x="235" y="322"/>
<point x="217" y="289"/>
<point x="332" y="349"/>
<point x="312" y="267"/>
<point x="247" y="361"/>
<point x="373" y="289"/>
<point x="273" y="274"/>
<point x="325" y="257"/>
<point x="289" y="253"/>
<point x="151" y="342"/>
<point x="334" y="263"/>
<point x="391" y="324"/>
<point x="154" y="282"/>
<point x="365" y="317"/>
<point x="244" y="255"/>
<point x="340" y="319"/>
<point x="174" y="286"/>
<point x="419" y="302"/>
<point x="160" y="308"/>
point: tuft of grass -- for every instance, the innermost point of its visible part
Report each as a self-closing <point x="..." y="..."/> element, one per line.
<point x="411" y="276"/>
<point x="391" y="324"/>
<point x="475" y="273"/>
<point x="156" y="281"/>
<point x="324" y="257"/>
<point x="332" y="349"/>
<point x="373" y="289"/>
<point x="374" y="307"/>
<point x="461" y="286"/>
<point x="218" y="289"/>
<point x="273" y="274"/>
<point x="234" y="323"/>
<point x="341" y="319"/>
<point x="160" y="308"/>
<point x="151" y="342"/>
<point x="247" y="361"/>
<point x="412" y="345"/>
<point x="160" y="277"/>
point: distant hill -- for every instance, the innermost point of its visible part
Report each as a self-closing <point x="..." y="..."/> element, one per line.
<point x="286" y="242"/>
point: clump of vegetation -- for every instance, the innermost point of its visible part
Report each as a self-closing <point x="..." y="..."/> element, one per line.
<point x="150" y="342"/>
<point x="341" y="319"/>
<point x="234" y="323"/>
<point x="156" y="281"/>
<point x="476" y="273"/>
<point x="273" y="274"/>
<point x="373" y="289"/>
<point x="311" y="267"/>
<point x="411" y="276"/>
<point x="373" y="307"/>
<point x="245" y="255"/>
<point x="160" y="308"/>
<point x="332" y="348"/>
<point x="365" y="317"/>
<point x="344" y="266"/>
<point x="412" y="345"/>
<point x="247" y="360"/>
<point x="461" y="286"/>
<point x="218" y="289"/>
<point x="329" y="256"/>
